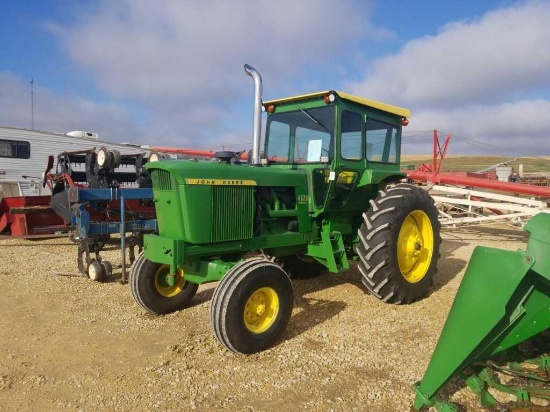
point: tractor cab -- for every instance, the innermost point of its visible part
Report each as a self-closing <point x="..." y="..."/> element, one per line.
<point x="343" y="141"/>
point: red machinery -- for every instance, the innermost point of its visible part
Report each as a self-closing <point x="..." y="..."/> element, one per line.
<point x="432" y="173"/>
<point x="29" y="216"/>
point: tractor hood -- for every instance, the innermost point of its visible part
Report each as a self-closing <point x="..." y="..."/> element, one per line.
<point x="187" y="172"/>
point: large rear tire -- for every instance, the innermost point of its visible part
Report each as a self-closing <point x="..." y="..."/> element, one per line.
<point x="399" y="244"/>
<point x="251" y="306"/>
<point x="152" y="291"/>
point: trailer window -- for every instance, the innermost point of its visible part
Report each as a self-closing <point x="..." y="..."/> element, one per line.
<point x="382" y="142"/>
<point x="15" y="149"/>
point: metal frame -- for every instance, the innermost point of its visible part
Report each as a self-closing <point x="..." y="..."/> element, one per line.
<point x="473" y="206"/>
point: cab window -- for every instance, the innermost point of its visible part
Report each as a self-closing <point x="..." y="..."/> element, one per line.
<point x="352" y="140"/>
<point x="382" y="142"/>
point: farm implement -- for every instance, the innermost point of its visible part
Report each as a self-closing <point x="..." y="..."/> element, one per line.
<point x="503" y="300"/>
<point x="29" y="217"/>
<point x="97" y="195"/>
<point x="325" y="190"/>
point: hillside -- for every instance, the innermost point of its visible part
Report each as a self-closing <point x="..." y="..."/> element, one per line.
<point x="539" y="164"/>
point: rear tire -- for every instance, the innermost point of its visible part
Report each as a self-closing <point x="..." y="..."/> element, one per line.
<point x="251" y="306"/>
<point x="399" y="244"/>
<point x="151" y="290"/>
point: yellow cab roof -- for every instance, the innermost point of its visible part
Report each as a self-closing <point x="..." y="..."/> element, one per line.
<point x="400" y="111"/>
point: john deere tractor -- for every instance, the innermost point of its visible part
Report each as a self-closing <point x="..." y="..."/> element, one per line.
<point x="324" y="190"/>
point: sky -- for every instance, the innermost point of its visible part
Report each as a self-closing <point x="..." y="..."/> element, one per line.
<point x="170" y="72"/>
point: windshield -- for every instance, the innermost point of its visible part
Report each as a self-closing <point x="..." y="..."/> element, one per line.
<point x="302" y="136"/>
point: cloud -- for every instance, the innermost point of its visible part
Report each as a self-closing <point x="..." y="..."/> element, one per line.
<point x="520" y="127"/>
<point x="172" y="50"/>
<point x="60" y="113"/>
<point x="486" y="60"/>
<point x="183" y="61"/>
<point x="485" y="79"/>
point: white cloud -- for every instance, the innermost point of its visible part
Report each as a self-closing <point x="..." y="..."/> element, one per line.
<point x="486" y="60"/>
<point x="520" y="127"/>
<point x="60" y="113"/>
<point x="172" y="49"/>
<point x="486" y="79"/>
<point x="183" y="61"/>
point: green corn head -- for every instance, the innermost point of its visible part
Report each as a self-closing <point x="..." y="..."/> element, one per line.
<point x="504" y="299"/>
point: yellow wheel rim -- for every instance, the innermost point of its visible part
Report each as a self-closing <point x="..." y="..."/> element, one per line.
<point x="415" y="246"/>
<point x="261" y="310"/>
<point x="162" y="284"/>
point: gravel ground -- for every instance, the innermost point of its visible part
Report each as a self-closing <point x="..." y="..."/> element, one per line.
<point x="67" y="343"/>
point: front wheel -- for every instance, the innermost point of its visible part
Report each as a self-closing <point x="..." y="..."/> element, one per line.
<point x="251" y="306"/>
<point x="153" y="291"/>
<point x="399" y="244"/>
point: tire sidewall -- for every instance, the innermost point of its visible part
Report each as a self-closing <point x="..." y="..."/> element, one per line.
<point x="378" y="247"/>
<point x="242" y="339"/>
<point x="145" y="292"/>
<point x="414" y="202"/>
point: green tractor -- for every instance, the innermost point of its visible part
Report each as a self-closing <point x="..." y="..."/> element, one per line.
<point x="325" y="190"/>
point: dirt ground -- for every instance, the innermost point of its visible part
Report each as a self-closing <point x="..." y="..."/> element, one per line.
<point x="68" y="343"/>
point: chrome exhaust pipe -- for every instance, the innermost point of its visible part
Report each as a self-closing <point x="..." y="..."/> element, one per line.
<point x="257" y="126"/>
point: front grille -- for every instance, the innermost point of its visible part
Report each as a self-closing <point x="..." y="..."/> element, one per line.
<point x="232" y="213"/>
<point x="162" y="180"/>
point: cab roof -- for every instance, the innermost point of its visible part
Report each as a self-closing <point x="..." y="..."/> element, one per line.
<point x="400" y="111"/>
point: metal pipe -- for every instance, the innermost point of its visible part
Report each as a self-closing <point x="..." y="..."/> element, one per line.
<point x="257" y="126"/>
<point x="477" y="182"/>
<point x="190" y="152"/>
<point x="123" y="237"/>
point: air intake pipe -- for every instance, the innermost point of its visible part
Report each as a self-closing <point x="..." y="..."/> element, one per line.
<point x="257" y="126"/>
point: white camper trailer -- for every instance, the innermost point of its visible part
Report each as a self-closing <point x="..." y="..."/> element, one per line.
<point x="24" y="156"/>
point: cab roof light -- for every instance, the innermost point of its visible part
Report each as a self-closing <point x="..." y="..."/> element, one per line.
<point x="329" y="98"/>
<point x="269" y="108"/>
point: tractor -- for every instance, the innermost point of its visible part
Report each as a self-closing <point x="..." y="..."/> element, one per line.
<point x="325" y="189"/>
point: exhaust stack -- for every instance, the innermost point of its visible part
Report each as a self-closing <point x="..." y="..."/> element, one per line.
<point x="257" y="126"/>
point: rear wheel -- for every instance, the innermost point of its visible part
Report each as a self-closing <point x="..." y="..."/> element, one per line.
<point x="152" y="290"/>
<point x="251" y="306"/>
<point x="399" y="244"/>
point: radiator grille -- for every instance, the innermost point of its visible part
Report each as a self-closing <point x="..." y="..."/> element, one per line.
<point x="162" y="180"/>
<point x="232" y="213"/>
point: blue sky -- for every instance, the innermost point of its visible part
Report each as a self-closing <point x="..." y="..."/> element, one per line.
<point x="170" y="72"/>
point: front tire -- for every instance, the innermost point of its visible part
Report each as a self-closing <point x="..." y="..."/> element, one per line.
<point x="399" y="244"/>
<point x="251" y="306"/>
<point x="152" y="291"/>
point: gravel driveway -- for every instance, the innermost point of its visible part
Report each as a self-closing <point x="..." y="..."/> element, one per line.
<point x="67" y="343"/>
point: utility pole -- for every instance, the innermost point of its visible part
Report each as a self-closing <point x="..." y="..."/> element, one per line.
<point x="32" y="104"/>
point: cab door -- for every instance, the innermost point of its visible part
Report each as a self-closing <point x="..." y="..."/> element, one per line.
<point x="351" y="161"/>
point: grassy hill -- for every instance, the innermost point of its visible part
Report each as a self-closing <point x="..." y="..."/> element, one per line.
<point x="474" y="163"/>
